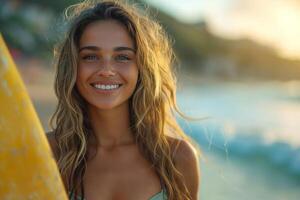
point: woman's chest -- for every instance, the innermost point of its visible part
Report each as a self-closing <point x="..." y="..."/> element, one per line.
<point x="125" y="177"/>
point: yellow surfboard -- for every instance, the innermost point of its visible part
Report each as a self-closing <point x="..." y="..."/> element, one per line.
<point x="27" y="166"/>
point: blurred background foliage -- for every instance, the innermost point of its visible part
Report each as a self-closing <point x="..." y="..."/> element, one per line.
<point x="32" y="27"/>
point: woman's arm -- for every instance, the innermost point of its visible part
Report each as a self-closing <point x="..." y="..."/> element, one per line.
<point x="187" y="163"/>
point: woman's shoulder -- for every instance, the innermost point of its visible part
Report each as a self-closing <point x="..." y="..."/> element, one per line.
<point x="182" y="149"/>
<point x="186" y="161"/>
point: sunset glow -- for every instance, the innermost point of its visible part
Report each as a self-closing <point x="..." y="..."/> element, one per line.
<point x="273" y="23"/>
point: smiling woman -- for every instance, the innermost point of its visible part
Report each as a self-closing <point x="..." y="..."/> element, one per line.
<point x="115" y="134"/>
<point x="107" y="68"/>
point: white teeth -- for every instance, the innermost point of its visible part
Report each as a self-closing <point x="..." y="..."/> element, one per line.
<point x="106" y="87"/>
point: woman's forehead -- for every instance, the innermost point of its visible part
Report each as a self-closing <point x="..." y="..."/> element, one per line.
<point x="106" y="34"/>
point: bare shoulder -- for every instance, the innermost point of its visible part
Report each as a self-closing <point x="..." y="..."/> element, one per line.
<point x="53" y="144"/>
<point x="187" y="163"/>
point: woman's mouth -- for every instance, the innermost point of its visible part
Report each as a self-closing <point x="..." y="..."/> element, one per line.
<point x="106" y="87"/>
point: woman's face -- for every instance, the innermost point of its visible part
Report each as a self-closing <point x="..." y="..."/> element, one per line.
<point x="107" y="70"/>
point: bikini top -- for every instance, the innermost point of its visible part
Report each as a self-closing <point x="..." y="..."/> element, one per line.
<point x="162" y="195"/>
<point x="158" y="196"/>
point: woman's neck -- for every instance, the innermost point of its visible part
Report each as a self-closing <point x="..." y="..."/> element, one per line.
<point x="111" y="128"/>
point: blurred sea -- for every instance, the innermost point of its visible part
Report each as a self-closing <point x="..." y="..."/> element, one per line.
<point x="250" y="139"/>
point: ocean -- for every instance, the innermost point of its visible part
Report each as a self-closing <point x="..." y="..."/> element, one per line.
<point x="249" y="137"/>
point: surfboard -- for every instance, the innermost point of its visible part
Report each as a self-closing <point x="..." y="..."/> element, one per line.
<point x="27" y="166"/>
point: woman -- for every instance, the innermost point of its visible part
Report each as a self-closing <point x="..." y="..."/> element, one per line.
<point x="116" y="136"/>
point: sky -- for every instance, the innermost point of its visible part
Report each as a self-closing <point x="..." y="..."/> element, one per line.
<point x="274" y="23"/>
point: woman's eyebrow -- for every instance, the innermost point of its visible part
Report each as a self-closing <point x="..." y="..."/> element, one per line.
<point x="95" y="48"/>
<point x="124" y="49"/>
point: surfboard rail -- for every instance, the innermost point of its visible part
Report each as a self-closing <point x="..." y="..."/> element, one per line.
<point x="27" y="166"/>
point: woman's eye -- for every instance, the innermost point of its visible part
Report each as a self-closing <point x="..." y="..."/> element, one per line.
<point x="90" y="58"/>
<point x="122" y="58"/>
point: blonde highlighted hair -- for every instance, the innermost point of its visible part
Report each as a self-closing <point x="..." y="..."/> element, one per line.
<point x="152" y="106"/>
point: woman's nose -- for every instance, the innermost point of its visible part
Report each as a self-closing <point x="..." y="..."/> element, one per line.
<point x="106" y="68"/>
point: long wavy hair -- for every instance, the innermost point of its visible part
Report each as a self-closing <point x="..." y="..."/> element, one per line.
<point x="152" y="106"/>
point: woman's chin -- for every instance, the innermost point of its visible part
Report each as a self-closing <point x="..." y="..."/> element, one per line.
<point x="106" y="106"/>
